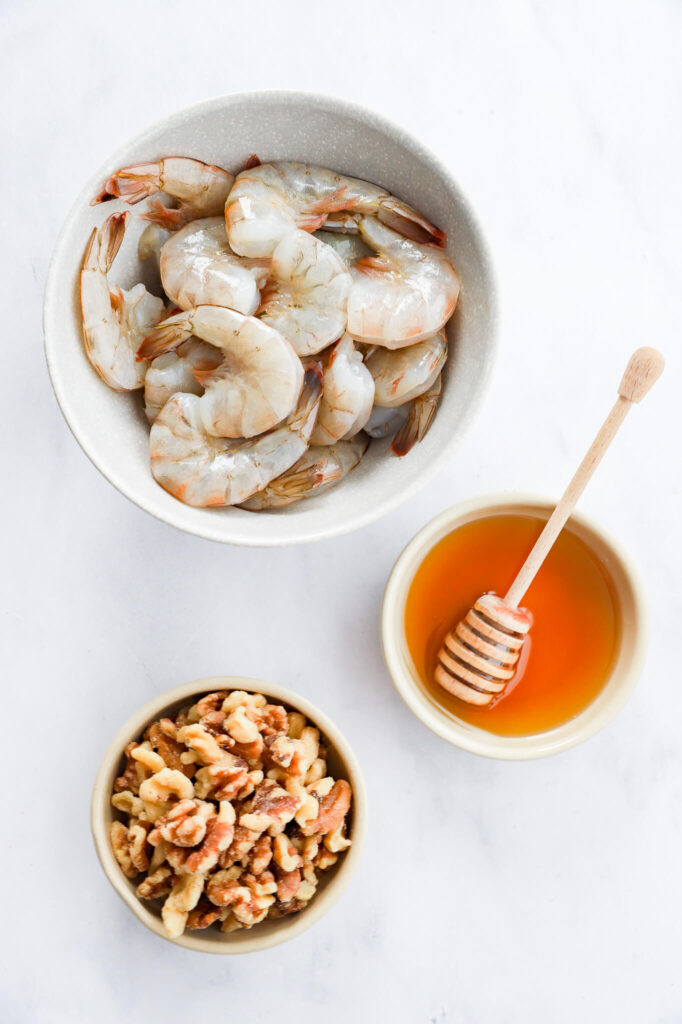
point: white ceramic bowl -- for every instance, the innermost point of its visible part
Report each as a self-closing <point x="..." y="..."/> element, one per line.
<point x="342" y="764"/>
<point x="111" y="428"/>
<point x="626" y="668"/>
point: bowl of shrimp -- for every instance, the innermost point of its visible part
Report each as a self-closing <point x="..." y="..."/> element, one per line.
<point x="282" y="321"/>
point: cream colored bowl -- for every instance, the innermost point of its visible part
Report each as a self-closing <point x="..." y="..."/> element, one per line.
<point x="627" y="664"/>
<point x="112" y="429"/>
<point x="342" y="764"/>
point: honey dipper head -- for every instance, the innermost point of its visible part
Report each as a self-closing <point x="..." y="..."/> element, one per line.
<point x="479" y="658"/>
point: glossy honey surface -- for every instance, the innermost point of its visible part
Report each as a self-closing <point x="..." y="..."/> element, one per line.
<point x="567" y="659"/>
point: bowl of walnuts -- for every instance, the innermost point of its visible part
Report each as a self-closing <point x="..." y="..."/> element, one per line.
<point x="229" y="814"/>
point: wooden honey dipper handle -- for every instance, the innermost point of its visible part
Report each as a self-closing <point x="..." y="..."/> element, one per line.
<point x="643" y="370"/>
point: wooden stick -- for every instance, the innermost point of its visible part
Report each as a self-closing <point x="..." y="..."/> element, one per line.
<point x="643" y="370"/>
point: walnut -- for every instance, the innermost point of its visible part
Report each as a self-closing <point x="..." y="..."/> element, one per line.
<point x="261" y="885"/>
<point x="251" y="702"/>
<point x="201" y="742"/>
<point x="147" y="757"/>
<point x="158" y="883"/>
<point x="285" y="854"/>
<point x="183" y="897"/>
<point x="222" y="780"/>
<point x="336" y="840"/>
<point x="333" y="809"/>
<point x="249" y="908"/>
<point x="168" y="728"/>
<point x="130" y="778"/>
<point x="241" y="728"/>
<point x="297" y="724"/>
<point x="325" y="859"/>
<point x="294" y="755"/>
<point x="118" y="834"/>
<point x="224" y="844"/>
<point x="211" y="702"/>
<point x="288" y="883"/>
<point x="137" y="845"/>
<point x="221" y="886"/>
<point x="244" y="839"/>
<point x="128" y="803"/>
<point x="273" y="719"/>
<point x="272" y="805"/>
<point x="164" y="784"/>
<point x="184" y="824"/>
<point x="167" y="745"/>
<point x="219" y="834"/>
<point x="202" y="916"/>
<point x="317" y="771"/>
<point x="260" y="855"/>
<point x="213" y="722"/>
<point x="253" y="779"/>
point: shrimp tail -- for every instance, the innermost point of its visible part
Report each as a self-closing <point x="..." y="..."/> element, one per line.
<point x="293" y="486"/>
<point x="167" y="217"/>
<point x="165" y="337"/>
<point x="104" y="243"/>
<point x="132" y="184"/>
<point x="401" y="217"/>
<point x="419" y="420"/>
<point x="305" y="414"/>
<point x="252" y="161"/>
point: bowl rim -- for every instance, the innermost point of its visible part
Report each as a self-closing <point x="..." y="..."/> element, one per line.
<point x="462" y="734"/>
<point x="287" y="928"/>
<point x="364" y="513"/>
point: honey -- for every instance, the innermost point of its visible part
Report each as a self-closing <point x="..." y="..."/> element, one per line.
<point x="568" y="655"/>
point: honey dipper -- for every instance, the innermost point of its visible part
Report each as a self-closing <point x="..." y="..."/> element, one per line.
<point x="477" y="660"/>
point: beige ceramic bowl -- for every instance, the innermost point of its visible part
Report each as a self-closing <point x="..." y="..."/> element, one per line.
<point x="627" y="664"/>
<point x="112" y="429"/>
<point x="342" y="764"/>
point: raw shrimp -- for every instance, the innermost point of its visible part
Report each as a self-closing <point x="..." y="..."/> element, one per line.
<point x="114" y="322"/>
<point x="384" y="421"/>
<point x="256" y="385"/>
<point x="175" y="371"/>
<point x="268" y="201"/>
<point x="201" y="189"/>
<point x="348" y="395"/>
<point x="350" y="248"/>
<point x="207" y="471"/>
<point x="419" y="419"/>
<point x="315" y="472"/>
<point x="404" y="294"/>
<point x="151" y="242"/>
<point x="403" y="375"/>
<point x="307" y="293"/>
<point x="198" y="268"/>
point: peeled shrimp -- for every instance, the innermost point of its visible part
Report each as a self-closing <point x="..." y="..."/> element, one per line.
<point x="268" y="201"/>
<point x="207" y="471"/>
<point x="419" y="419"/>
<point x="307" y="293"/>
<point x="114" y="322"/>
<point x="348" y="395"/>
<point x="175" y="371"/>
<point x="350" y="248"/>
<point x="315" y="472"/>
<point x="256" y="385"/>
<point x="198" y="268"/>
<point x="151" y="242"/>
<point x="384" y="421"/>
<point x="404" y="294"/>
<point x="200" y="188"/>
<point x="399" y="376"/>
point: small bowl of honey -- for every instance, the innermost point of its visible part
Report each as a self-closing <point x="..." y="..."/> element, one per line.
<point x="579" y="663"/>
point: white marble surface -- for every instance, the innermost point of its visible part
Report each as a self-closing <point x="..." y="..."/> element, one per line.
<point x="489" y="892"/>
